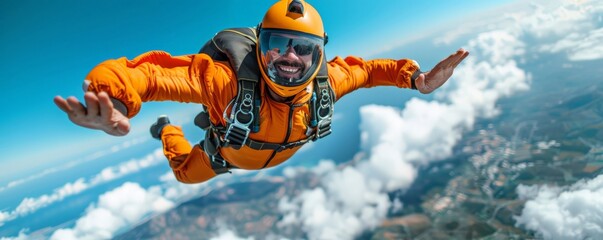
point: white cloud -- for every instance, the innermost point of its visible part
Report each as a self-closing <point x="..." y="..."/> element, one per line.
<point x="355" y="198"/>
<point x="115" y="210"/>
<point x="547" y="145"/>
<point x="564" y="213"/>
<point x="30" y="205"/>
<point x="579" y="46"/>
<point x="127" y="205"/>
<point x="426" y="131"/>
<point x="290" y="172"/>
<point x="556" y="18"/>
<point x="559" y="26"/>
<point x="324" y="167"/>
<point x="5" y="216"/>
<point x="333" y="213"/>
<point x="227" y="234"/>
<point x="572" y="27"/>
<point x="125" y="168"/>
<point x="22" y="236"/>
<point x="71" y="164"/>
<point x="478" y="85"/>
<point x="178" y="192"/>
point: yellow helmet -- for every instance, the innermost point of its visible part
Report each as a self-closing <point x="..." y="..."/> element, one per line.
<point x="290" y="47"/>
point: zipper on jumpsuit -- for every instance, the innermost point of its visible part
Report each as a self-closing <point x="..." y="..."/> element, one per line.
<point x="291" y="107"/>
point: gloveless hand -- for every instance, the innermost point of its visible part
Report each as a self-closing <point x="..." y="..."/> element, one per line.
<point x="429" y="81"/>
<point x="99" y="113"/>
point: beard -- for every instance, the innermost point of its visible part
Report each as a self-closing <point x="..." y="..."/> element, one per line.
<point x="287" y="71"/>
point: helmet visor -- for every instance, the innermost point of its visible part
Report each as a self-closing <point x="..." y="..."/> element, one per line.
<point x="289" y="58"/>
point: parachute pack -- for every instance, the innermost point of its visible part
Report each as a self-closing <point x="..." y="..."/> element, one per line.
<point x="237" y="46"/>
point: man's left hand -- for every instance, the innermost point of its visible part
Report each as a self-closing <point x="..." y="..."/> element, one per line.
<point x="429" y="81"/>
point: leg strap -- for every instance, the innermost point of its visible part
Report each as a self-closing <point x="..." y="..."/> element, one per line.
<point x="218" y="163"/>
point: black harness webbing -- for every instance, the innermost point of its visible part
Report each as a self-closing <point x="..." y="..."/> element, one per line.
<point x="237" y="45"/>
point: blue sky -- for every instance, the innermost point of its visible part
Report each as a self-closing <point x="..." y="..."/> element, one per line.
<point x="49" y="46"/>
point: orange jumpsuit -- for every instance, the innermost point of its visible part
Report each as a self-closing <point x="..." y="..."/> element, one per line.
<point x="158" y="76"/>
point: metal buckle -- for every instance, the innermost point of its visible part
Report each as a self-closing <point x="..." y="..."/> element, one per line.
<point x="218" y="161"/>
<point x="290" y="145"/>
<point x="286" y="146"/>
<point x="324" y="128"/>
<point x="324" y="112"/>
<point x="223" y="166"/>
<point x="238" y="132"/>
<point x="237" y="135"/>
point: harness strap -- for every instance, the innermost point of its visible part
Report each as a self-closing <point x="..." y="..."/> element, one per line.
<point x="322" y="106"/>
<point x="276" y="146"/>
<point x="212" y="142"/>
<point x="322" y="103"/>
<point x="242" y="115"/>
<point x="218" y="164"/>
<point x="237" y="46"/>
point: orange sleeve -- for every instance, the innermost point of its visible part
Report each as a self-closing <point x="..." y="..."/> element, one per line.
<point x="351" y="73"/>
<point x="158" y="76"/>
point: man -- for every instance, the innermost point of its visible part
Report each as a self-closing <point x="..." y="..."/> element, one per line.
<point x="290" y="56"/>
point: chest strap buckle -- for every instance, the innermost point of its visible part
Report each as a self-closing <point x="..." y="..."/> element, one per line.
<point x="237" y="135"/>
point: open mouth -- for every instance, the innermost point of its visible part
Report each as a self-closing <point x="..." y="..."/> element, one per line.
<point x="288" y="71"/>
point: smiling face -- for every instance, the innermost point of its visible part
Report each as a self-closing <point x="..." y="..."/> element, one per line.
<point x="289" y="65"/>
<point x="289" y="59"/>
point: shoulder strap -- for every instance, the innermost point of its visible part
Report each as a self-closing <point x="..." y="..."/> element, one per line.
<point x="237" y="45"/>
<point x="322" y="103"/>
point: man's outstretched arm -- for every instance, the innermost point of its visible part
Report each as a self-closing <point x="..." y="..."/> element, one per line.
<point x="352" y="73"/>
<point x="115" y="89"/>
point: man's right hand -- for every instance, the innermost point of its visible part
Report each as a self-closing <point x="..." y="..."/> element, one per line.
<point x="99" y="113"/>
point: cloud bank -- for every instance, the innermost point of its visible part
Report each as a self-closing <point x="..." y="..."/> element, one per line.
<point x="71" y="164"/>
<point x="30" y="205"/>
<point x="355" y="198"/>
<point x="573" y="212"/>
<point x="225" y="233"/>
<point x="574" y="28"/>
<point x="122" y="207"/>
<point x="116" y="209"/>
<point x="398" y="141"/>
<point x="129" y="204"/>
<point x="571" y="27"/>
